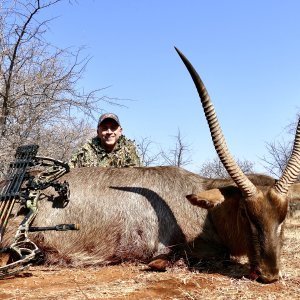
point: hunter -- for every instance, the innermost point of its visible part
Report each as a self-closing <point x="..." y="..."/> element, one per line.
<point x="110" y="148"/>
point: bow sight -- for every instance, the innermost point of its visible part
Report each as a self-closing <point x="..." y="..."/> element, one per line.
<point x="22" y="187"/>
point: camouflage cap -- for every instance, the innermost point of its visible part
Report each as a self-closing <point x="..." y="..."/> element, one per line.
<point x="109" y="116"/>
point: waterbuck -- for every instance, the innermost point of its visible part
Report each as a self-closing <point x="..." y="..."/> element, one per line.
<point x="143" y="214"/>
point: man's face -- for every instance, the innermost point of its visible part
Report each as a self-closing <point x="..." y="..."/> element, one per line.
<point x="109" y="132"/>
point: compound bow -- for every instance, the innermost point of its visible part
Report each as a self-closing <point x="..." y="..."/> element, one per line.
<point x="24" y="188"/>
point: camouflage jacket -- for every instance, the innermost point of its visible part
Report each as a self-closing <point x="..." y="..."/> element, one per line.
<point x="93" y="154"/>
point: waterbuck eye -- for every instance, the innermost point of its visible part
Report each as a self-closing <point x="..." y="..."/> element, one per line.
<point x="256" y="226"/>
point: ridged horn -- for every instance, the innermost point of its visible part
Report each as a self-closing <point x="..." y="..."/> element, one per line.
<point x="246" y="186"/>
<point x="292" y="169"/>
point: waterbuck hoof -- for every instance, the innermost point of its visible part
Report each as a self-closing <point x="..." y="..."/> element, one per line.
<point x="158" y="264"/>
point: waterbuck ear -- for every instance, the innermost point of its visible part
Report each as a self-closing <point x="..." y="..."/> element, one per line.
<point x="206" y="199"/>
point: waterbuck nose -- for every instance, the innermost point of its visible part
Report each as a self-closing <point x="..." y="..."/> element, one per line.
<point x="268" y="278"/>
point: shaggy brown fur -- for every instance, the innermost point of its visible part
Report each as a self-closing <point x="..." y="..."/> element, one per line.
<point x="139" y="214"/>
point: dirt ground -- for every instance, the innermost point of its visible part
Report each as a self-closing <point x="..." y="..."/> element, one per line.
<point x="216" y="280"/>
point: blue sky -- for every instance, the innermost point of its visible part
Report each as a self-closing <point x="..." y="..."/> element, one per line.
<point x="247" y="53"/>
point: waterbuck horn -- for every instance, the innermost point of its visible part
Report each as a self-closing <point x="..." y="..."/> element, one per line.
<point x="241" y="180"/>
<point x="292" y="168"/>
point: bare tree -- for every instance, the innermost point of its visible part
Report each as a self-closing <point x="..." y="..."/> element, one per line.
<point x="215" y="168"/>
<point x="279" y="152"/>
<point x="38" y="81"/>
<point x="61" y="140"/>
<point x="178" y="156"/>
<point x="149" y="156"/>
